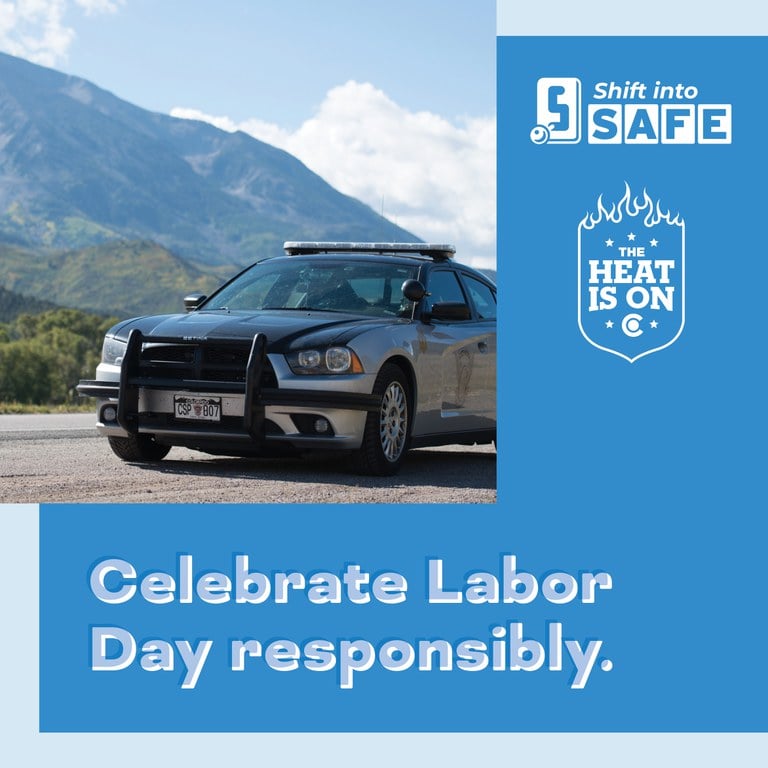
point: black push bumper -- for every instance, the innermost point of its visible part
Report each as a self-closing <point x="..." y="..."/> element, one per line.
<point x="256" y="396"/>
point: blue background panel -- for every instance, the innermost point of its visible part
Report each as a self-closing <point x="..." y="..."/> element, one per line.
<point x="650" y="471"/>
<point x="658" y="465"/>
<point x="675" y="635"/>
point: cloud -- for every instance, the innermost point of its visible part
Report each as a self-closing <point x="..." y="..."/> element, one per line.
<point x="35" y="29"/>
<point x="430" y="175"/>
<point x="99" y="6"/>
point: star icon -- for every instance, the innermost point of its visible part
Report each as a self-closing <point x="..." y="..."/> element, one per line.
<point x="609" y="242"/>
<point x="609" y="324"/>
<point x="631" y="236"/>
<point x="654" y="242"/>
<point x="654" y="324"/>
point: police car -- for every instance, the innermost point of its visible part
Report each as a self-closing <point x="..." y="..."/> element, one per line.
<point x="366" y="348"/>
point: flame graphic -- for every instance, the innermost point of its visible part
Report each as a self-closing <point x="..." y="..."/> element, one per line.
<point x="631" y="206"/>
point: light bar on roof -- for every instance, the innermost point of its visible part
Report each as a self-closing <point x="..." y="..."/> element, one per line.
<point x="438" y="251"/>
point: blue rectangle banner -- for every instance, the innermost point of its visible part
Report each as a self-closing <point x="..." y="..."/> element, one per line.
<point x="229" y="618"/>
<point x="631" y="175"/>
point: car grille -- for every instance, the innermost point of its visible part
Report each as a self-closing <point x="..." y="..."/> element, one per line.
<point x="212" y="360"/>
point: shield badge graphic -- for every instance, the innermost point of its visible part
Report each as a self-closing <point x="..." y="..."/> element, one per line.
<point x="631" y="276"/>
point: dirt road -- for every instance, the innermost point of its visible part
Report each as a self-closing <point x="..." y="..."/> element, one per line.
<point x="60" y="458"/>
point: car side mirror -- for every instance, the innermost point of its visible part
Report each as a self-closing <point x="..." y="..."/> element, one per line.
<point x="450" y="310"/>
<point x="413" y="290"/>
<point x="193" y="301"/>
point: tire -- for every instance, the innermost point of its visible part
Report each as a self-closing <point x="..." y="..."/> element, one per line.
<point x="138" y="448"/>
<point x="385" y="439"/>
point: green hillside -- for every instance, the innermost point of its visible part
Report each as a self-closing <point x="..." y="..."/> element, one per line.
<point x="122" y="278"/>
<point x="14" y="304"/>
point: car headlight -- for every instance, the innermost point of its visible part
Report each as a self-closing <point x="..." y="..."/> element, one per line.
<point x="113" y="351"/>
<point x="324" y="361"/>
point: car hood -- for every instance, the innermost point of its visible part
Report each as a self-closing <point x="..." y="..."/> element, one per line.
<point x="285" y="330"/>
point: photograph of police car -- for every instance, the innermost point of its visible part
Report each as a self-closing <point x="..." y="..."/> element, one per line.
<point x="369" y="348"/>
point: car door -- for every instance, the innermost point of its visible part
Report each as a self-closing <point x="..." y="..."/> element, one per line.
<point x="456" y="390"/>
<point x="483" y="299"/>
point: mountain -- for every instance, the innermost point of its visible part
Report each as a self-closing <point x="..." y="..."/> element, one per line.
<point x="80" y="167"/>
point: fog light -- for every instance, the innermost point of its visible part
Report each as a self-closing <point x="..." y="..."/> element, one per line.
<point x="321" y="426"/>
<point x="109" y="414"/>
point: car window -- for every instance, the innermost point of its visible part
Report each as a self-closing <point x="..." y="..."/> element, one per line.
<point x="362" y="287"/>
<point x="444" y="286"/>
<point x="483" y="298"/>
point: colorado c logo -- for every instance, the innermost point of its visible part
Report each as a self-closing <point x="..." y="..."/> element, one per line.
<point x="631" y="325"/>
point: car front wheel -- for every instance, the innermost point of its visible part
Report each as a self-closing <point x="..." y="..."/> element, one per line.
<point x="138" y="448"/>
<point x="386" y="429"/>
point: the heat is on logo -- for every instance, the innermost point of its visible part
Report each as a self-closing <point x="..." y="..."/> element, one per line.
<point x="631" y="277"/>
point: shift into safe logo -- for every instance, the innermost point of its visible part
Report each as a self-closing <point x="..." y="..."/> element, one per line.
<point x="631" y="276"/>
<point x="632" y="112"/>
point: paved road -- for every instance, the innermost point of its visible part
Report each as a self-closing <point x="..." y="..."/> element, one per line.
<point x="60" y="458"/>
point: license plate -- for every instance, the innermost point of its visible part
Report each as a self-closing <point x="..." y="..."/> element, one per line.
<point x="197" y="408"/>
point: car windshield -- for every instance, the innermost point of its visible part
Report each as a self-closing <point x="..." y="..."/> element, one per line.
<point x="361" y="287"/>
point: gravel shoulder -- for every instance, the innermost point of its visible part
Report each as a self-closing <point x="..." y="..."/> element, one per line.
<point x="60" y="458"/>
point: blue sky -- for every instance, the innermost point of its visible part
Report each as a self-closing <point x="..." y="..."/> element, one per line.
<point x="276" y="59"/>
<point x="393" y="103"/>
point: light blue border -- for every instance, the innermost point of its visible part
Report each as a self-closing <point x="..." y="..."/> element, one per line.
<point x="19" y="566"/>
<point x="19" y="701"/>
<point x="650" y="17"/>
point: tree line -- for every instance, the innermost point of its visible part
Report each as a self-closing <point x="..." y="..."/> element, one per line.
<point x="43" y="356"/>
